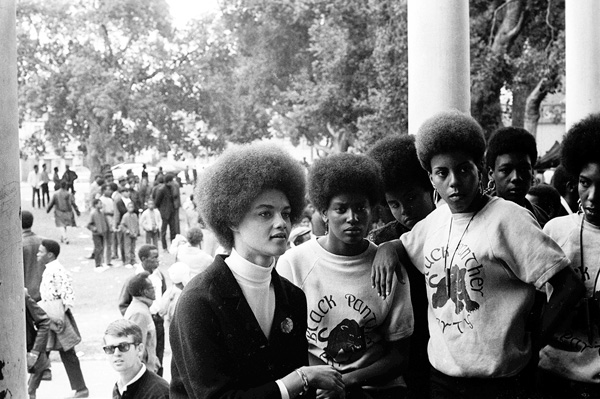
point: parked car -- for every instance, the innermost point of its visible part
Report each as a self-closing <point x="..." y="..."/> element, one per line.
<point x="120" y="170"/>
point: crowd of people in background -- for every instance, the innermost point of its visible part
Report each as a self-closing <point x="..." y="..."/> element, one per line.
<point x="433" y="266"/>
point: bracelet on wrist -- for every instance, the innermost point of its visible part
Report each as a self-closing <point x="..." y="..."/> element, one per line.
<point x="304" y="380"/>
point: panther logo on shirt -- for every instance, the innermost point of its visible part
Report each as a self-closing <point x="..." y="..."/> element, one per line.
<point x="458" y="291"/>
<point x="346" y="342"/>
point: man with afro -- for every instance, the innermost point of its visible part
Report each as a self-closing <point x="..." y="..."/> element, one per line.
<point x="510" y="157"/>
<point x="363" y="335"/>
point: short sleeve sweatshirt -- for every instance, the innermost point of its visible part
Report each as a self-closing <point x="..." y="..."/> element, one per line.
<point x="571" y="354"/>
<point x="479" y="329"/>
<point x="347" y="320"/>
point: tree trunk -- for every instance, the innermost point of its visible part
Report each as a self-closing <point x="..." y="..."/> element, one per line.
<point x="532" y="107"/>
<point x="519" y="100"/>
<point x="485" y="95"/>
<point x="97" y="148"/>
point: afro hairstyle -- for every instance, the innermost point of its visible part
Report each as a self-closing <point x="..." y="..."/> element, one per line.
<point x="507" y="140"/>
<point x="450" y="131"/>
<point x="226" y="190"/>
<point x="343" y="173"/>
<point x="581" y="145"/>
<point x="400" y="167"/>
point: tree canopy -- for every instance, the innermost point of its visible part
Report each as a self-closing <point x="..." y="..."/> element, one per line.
<point x="117" y="77"/>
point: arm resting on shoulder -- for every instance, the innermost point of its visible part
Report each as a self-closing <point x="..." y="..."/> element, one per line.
<point x="390" y="256"/>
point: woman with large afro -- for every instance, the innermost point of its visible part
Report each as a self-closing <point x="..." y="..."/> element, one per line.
<point x="570" y="364"/>
<point x="349" y="325"/>
<point x="239" y="330"/>
<point x="481" y="273"/>
<point x="409" y="195"/>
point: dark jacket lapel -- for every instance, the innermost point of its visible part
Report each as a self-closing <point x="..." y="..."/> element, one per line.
<point x="234" y="300"/>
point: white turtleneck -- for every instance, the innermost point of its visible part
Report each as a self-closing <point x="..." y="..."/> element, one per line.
<point x="255" y="282"/>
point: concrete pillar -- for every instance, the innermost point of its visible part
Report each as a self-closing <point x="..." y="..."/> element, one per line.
<point x="13" y="371"/>
<point x="438" y="59"/>
<point x="582" y="59"/>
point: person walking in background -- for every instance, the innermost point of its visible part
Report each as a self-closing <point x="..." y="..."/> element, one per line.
<point x="65" y="208"/>
<point x="163" y="199"/>
<point x="37" y="328"/>
<point x="150" y="221"/>
<point x="108" y="208"/>
<point x="119" y="199"/>
<point x="142" y="293"/>
<point x="95" y="191"/>
<point x="34" y="181"/>
<point x="174" y="182"/>
<point x="124" y="349"/>
<point x="56" y="291"/>
<point x="70" y="176"/>
<point x="190" y="212"/>
<point x="56" y="179"/>
<point x="44" y="180"/>
<point x="98" y="225"/>
<point x="32" y="270"/>
<point x="130" y="229"/>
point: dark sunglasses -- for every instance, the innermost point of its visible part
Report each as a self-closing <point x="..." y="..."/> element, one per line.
<point x="123" y="347"/>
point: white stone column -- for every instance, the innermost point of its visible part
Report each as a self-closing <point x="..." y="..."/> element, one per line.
<point x="438" y="59"/>
<point x="582" y="58"/>
<point x="13" y="383"/>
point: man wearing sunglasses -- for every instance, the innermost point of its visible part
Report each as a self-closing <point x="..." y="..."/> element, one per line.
<point x="124" y="349"/>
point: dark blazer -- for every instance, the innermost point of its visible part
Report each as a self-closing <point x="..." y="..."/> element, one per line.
<point x="98" y="223"/>
<point x="164" y="201"/>
<point x="32" y="269"/>
<point x="219" y="350"/>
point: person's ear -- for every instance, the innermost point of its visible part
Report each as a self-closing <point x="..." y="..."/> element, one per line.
<point x="490" y="173"/>
<point x="324" y="216"/>
<point x="431" y="179"/>
<point x="571" y="186"/>
<point x="140" y="350"/>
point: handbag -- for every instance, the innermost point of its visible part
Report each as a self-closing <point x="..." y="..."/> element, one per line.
<point x="55" y="309"/>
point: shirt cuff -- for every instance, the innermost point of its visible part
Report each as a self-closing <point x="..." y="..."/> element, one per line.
<point x="283" y="390"/>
